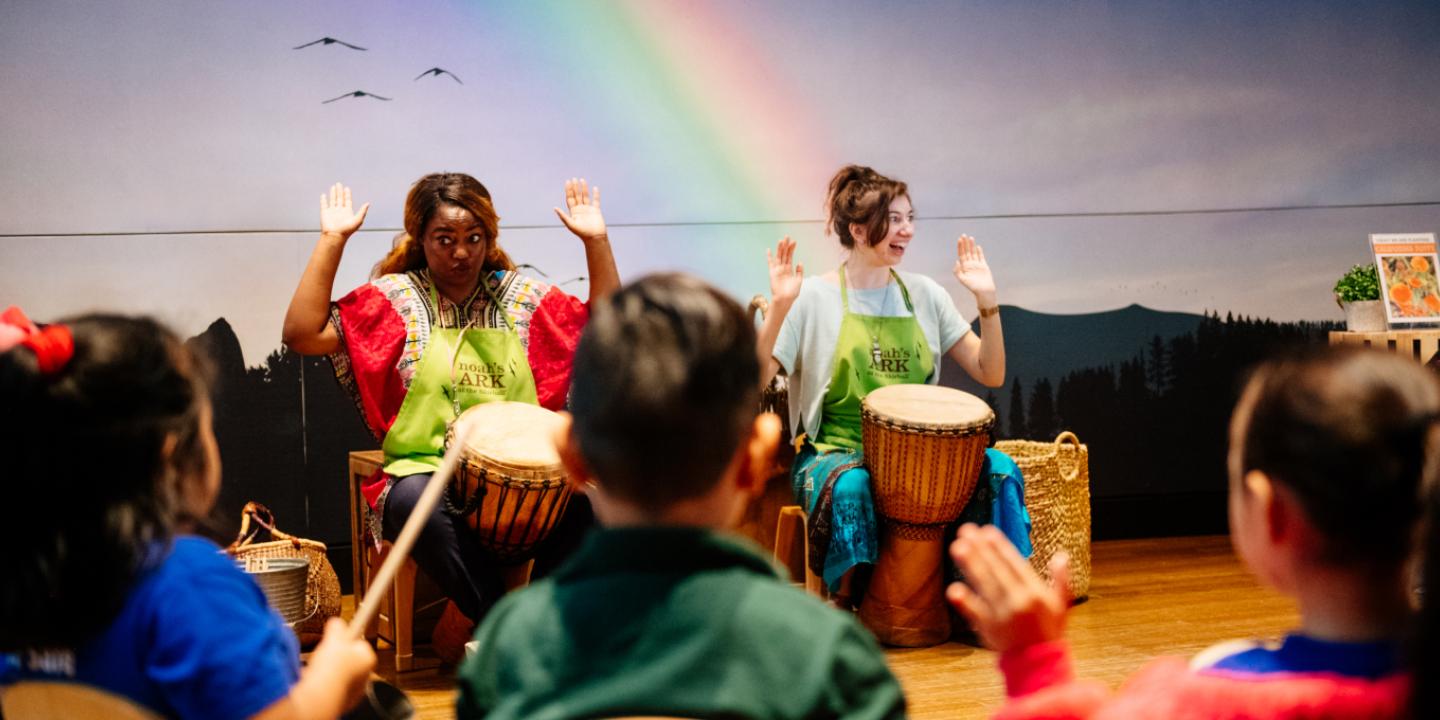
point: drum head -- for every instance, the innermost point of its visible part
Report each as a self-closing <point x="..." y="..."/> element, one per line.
<point x="929" y="406"/>
<point x="512" y="434"/>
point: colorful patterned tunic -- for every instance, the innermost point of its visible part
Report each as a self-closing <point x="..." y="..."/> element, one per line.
<point x="384" y="326"/>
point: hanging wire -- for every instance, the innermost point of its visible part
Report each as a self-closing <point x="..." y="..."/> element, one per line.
<point x="542" y="273"/>
<point x="802" y="221"/>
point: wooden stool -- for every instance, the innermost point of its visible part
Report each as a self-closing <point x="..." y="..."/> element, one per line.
<point x="395" y="623"/>
<point x="793" y="520"/>
<point x="54" y="700"/>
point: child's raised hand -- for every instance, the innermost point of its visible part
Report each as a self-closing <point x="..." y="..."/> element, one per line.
<point x="1003" y="598"/>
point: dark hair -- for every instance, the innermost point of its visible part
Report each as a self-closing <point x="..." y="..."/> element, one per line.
<point x="861" y="195"/>
<point x="94" y="495"/>
<point x="1350" y="432"/>
<point x="1424" y="641"/>
<point x="426" y="196"/>
<point x="664" y="388"/>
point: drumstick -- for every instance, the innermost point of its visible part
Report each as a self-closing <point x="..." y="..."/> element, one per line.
<point x="400" y="549"/>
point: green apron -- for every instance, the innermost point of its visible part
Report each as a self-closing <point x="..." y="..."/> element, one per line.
<point x="872" y="351"/>
<point x="459" y="368"/>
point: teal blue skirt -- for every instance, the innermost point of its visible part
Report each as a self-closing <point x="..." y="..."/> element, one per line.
<point x="834" y="488"/>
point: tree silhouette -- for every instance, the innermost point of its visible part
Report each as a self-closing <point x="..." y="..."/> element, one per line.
<point x="1159" y="366"/>
<point x="1156" y="423"/>
<point x="1043" y="422"/>
<point x="994" y="404"/>
<point x="1018" y="428"/>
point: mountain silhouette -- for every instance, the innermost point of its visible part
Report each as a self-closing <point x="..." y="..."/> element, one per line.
<point x="1046" y="345"/>
<point x="221" y="346"/>
<point x="285" y="428"/>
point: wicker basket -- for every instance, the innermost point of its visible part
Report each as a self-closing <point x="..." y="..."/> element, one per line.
<point x="1057" y="493"/>
<point x="322" y="587"/>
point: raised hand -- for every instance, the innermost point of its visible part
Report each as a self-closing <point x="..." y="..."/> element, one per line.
<point x="583" y="203"/>
<point x="785" y="278"/>
<point x="972" y="271"/>
<point x="337" y="214"/>
<point x="1003" y="598"/>
<point x="338" y="670"/>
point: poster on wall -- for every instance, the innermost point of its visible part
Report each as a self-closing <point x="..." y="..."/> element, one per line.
<point x="1408" y="281"/>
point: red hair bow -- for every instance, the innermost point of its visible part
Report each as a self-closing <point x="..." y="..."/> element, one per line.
<point x="53" y="345"/>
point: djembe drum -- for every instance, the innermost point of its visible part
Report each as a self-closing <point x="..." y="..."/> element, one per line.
<point x="923" y="447"/>
<point x="509" y="485"/>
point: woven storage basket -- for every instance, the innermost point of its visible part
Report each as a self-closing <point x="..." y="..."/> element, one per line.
<point x="1057" y="493"/>
<point x="322" y="586"/>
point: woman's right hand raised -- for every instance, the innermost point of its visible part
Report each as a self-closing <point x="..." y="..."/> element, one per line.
<point x="785" y="275"/>
<point x="337" y="215"/>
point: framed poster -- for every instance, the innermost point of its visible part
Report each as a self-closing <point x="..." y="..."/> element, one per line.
<point x="1409" y="285"/>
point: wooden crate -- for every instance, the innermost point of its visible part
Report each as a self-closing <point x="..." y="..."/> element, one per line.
<point x="1423" y="345"/>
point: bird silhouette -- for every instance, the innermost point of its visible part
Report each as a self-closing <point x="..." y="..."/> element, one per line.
<point x="357" y="93"/>
<point x="329" y="41"/>
<point x="437" y="72"/>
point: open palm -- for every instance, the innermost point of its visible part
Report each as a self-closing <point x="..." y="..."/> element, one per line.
<point x="970" y="267"/>
<point x="582" y="215"/>
<point x="337" y="213"/>
<point x="785" y="277"/>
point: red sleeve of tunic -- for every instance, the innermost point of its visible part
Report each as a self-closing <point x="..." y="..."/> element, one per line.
<point x="1041" y="685"/>
<point x="554" y="332"/>
<point x="374" y="338"/>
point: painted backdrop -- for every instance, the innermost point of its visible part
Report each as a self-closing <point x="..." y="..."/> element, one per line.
<point x="1163" y="188"/>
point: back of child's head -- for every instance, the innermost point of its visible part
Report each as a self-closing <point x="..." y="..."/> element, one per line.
<point x="105" y="455"/>
<point x="1350" y="432"/>
<point x="665" y="388"/>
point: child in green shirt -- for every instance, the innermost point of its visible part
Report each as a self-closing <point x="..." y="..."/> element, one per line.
<point x="661" y="612"/>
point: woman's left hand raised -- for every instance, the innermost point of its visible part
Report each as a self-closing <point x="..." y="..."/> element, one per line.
<point x="584" y="218"/>
<point x="972" y="271"/>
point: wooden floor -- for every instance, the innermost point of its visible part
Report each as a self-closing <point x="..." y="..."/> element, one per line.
<point x="1148" y="597"/>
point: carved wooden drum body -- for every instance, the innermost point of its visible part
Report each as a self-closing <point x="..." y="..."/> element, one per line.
<point x="509" y="486"/>
<point x="924" y="446"/>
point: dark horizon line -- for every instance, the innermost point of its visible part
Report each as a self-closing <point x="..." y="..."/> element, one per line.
<point x="1198" y="316"/>
<point x="807" y="221"/>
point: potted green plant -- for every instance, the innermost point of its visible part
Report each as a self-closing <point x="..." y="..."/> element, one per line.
<point x="1358" y="293"/>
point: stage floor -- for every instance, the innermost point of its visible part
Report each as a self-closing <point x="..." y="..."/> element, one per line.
<point x="1147" y="597"/>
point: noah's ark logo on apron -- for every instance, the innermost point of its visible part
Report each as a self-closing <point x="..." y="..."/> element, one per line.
<point x="480" y="377"/>
<point x="891" y="362"/>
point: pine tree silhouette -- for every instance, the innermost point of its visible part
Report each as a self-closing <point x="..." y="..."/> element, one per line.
<point x="1043" y="422"/>
<point x="1018" y="428"/>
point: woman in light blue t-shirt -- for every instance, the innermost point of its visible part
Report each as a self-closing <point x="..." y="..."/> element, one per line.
<point x="863" y="326"/>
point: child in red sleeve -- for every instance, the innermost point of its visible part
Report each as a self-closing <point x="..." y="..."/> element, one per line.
<point x="1328" y="457"/>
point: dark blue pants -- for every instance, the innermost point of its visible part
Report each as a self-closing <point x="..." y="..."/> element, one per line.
<point x="449" y="552"/>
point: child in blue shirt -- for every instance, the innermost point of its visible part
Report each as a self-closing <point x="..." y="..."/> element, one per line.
<point x="111" y="455"/>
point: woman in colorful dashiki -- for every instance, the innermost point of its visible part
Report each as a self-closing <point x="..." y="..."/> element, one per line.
<point x="446" y="322"/>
